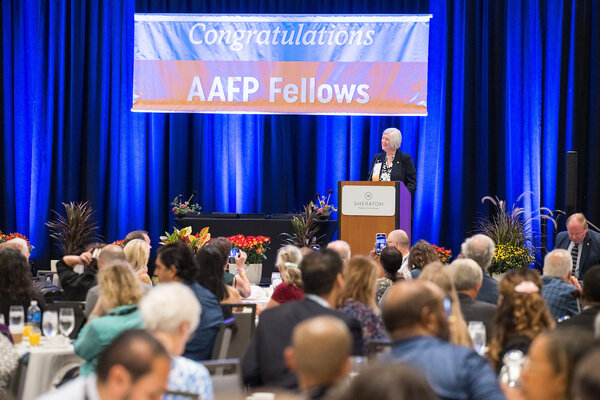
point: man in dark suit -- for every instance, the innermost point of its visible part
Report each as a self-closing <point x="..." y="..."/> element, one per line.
<point x="467" y="277"/>
<point x="591" y="303"/>
<point x="481" y="248"/>
<point x="581" y="243"/>
<point x="263" y="364"/>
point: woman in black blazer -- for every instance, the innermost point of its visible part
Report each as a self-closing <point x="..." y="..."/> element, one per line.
<point x="392" y="164"/>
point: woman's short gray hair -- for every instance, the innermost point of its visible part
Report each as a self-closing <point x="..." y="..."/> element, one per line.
<point x="165" y="307"/>
<point x="395" y="137"/>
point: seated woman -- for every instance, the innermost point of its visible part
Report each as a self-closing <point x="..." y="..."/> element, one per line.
<point x="391" y="261"/>
<point x="358" y="298"/>
<point x="172" y="313"/>
<point x="76" y="285"/>
<point x="439" y="274"/>
<point x="115" y="312"/>
<point x="288" y="264"/>
<point x="421" y="254"/>
<point x="521" y="315"/>
<point x="210" y="274"/>
<point x="16" y="284"/>
<point x="137" y="253"/>
<point x="240" y="281"/>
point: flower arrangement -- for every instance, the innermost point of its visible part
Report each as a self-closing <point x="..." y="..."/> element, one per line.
<point x="254" y="246"/>
<point x="509" y="257"/>
<point x="181" y="208"/>
<point x="185" y="235"/>
<point x="444" y="254"/>
<point x="322" y="207"/>
<point x="11" y="236"/>
<point x="119" y="243"/>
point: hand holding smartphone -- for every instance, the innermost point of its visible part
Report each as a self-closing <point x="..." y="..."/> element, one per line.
<point x="380" y="242"/>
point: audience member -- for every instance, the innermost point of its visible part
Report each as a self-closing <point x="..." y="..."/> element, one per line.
<point x="137" y="253"/>
<point x="210" y="274"/>
<point x="399" y="240"/>
<point x="319" y="355"/>
<point x="481" y="249"/>
<point x="391" y="260"/>
<point x="388" y="382"/>
<point x="19" y="244"/>
<point x="140" y="235"/>
<point x="115" y="312"/>
<point x="439" y="274"/>
<point x="9" y="360"/>
<point x="16" y="285"/>
<point x="77" y="274"/>
<point x="421" y="254"/>
<point x="521" y="315"/>
<point x="467" y="276"/>
<point x="175" y="263"/>
<point x="290" y="289"/>
<point x="171" y="313"/>
<point x="414" y="316"/>
<point x="263" y="365"/>
<point x="586" y="380"/>
<point x="357" y="299"/>
<point x="582" y="244"/>
<point x="591" y="303"/>
<point x="134" y="366"/>
<point x="342" y="248"/>
<point x="561" y="290"/>
<point x="240" y="281"/>
<point x="548" y="372"/>
<point x="106" y="256"/>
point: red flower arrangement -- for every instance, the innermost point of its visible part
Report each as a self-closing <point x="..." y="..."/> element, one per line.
<point x="119" y="243"/>
<point x="444" y="254"/>
<point x="254" y="246"/>
<point x="10" y="236"/>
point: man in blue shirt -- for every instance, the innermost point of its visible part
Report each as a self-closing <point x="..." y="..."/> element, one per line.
<point x="175" y="263"/>
<point x="413" y="313"/>
<point x="561" y="289"/>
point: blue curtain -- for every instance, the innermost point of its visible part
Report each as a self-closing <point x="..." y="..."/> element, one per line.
<point x="513" y="85"/>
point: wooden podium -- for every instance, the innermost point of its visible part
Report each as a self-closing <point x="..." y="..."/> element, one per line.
<point x="367" y="208"/>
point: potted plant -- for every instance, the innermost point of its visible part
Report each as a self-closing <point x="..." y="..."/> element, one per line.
<point x="306" y="228"/>
<point x="76" y="229"/>
<point x="255" y="248"/>
<point x="182" y="208"/>
<point x="322" y="206"/>
<point x="195" y="241"/>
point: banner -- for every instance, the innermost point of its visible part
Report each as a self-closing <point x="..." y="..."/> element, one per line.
<point x="285" y="64"/>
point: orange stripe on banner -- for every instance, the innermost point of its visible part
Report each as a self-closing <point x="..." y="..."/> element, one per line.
<point x="281" y="87"/>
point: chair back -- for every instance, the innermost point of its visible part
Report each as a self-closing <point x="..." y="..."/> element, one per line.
<point x="226" y="378"/>
<point x="245" y="322"/>
<point x="223" y="339"/>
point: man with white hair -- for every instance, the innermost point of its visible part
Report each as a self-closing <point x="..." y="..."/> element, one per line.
<point x="481" y="248"/>
<point x="467" y="277"/>
<point x="18" y="244"/>
<point x="561" y="289"/>
<point x="172" y="313"/>
<point x="399" y="239"/>
<point x="342" y="248"/>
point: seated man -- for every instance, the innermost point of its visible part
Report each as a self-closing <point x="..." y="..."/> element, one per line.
<point x="263" y="363"/>
<point x="561" y="290"/>
<point x="108" y="255"/>
<point x="467" y="277"/>
<point x="319" y="354"/>
<point x="582" y="244"/>
<point x="481" y="248"/>
<point x="134" y="366"/>
<point x="342" y="248"/>
<point x="175" y="263"/>
<point x="591" y="303"/>
<point x="413" y="313"/>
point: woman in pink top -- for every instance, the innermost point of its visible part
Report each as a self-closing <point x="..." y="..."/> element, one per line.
<point x="288" y="264"/>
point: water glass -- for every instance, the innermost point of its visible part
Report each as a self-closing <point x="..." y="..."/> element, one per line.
<point x="16" y="323"/>
<point x="275" y="279"/>
<point x="50" y="323"/>
<point x="66" y="321"/>
<point x="477" y="333"/>
<point x="2" y="320"/>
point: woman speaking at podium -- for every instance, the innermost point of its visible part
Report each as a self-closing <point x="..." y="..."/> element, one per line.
<point x="392" y="164"/>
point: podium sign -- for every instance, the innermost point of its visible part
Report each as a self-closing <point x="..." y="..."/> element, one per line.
<point x="369" y="200"/>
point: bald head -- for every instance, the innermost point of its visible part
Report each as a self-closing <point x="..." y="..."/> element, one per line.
<point x="109" y="254"/>
<point x="342" y="248"/>
<point x="399" y="239"/>
<point x="414" y="307"/>
<point x="558" y="264"/>
<point x="320" y="351"/>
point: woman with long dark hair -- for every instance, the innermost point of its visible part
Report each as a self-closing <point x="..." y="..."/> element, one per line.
<point x="210" y="274"/>
<point x="16" y="285"/>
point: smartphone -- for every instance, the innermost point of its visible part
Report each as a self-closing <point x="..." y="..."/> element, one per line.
<point x="232" y="254"/>
<point x="380" y="241"/>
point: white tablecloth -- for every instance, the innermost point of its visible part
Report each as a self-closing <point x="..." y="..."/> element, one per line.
<point x="42" y="365"/>
<point x="259" y="295"/>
